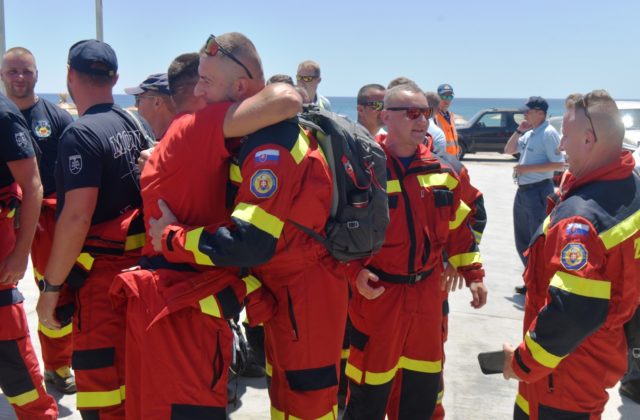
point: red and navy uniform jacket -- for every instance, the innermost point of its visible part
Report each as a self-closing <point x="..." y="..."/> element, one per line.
<point x="582" y="281"/>
<point x="283" y="176"/>
<point x="427" y="217"/>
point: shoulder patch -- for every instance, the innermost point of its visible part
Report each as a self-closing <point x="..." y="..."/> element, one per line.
<point x="264" y="183"/>
<point x="267" y="156"/>
<point x="577" y="229"/>
<point x="42" y="129"/>
<point x="21" y="139"/>
<point x="574" y="256"/>
<point x="75" y="164"/>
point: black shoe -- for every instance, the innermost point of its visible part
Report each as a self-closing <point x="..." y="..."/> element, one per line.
<point x="631" y="390"/>
<point x="521" y="290"/>
<point x="61" y="379"/>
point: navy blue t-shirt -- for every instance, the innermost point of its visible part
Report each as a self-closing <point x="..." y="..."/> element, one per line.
<point x="15" y="139"/>
<point x="47" y="122"/>
<point x="101" y="149"/>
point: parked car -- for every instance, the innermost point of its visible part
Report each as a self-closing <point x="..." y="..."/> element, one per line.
<point x="488" y="130"/>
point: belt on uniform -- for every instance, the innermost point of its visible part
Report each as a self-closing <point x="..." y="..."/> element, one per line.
<point x="400" y="278"/>
<point x="157" y="262"/>
<point x="534" y="184"/>
<point x="10" y="297"/>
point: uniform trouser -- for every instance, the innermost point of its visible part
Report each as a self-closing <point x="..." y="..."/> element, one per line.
<point x="399" y="330"/>
<point x="98" y="343"/>
<point x="56" y="345"/>
<point x="529" y="211"/>
<point x="303" y="342"/>
<point x="177" y="368"/>
<point x="20" y="378"/>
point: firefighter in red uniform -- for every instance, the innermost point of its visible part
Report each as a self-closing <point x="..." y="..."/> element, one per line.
<point x="99" y="227"/>
<point x="176" y="312"/>
<point x="284" y="178"/>
<point x="582" y="275"/>
<point x="396" y="308"/>
<point x="47" y="122"/>
<point x="20" y="377"/>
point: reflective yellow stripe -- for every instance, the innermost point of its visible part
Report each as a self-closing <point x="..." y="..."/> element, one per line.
<point x="85" y="260"/>
<point x="268" y="369"/>
<point x="11" y="213"/>
<point x="424" y="366"/>
<point x="259" y="218"/>
<point x="440" y="395"/>
<point x="62" y="332"/>
<point x="545" y="224"/>
<point x="622" y="231"/>
<point x="191" y="244"/>
<point x="209" y="306"/>
<point x="437" y="180"/>
<point x="345" y="354"/>
<point x="280" y="415"/>
<point x="24" y="398"/>
<point x="100" y="399"/>
<point x="580" y="286"/>
<point x="353" y="373"/>
<point x="134" y="241"/>
<point x="522" y="403"/>
<point x="461" y="214"/>
<point x="37" y="274"/>
<point x="299" y="150"/>
<point x="462" y="260"/>
<point x="540" y="354"/>
<point x="252" y="283"/>
<point x="393" y="186"/>
<point x="234" y="173"/>
<point x="478" y="236"/>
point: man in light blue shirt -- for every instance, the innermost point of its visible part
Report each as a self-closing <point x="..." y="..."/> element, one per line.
<point x="538" y="144"/>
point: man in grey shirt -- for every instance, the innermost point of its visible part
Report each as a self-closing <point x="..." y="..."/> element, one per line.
<point x="538" y="144"/>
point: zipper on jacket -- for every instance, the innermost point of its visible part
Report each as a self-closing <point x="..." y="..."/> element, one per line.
<point x="292" y="316"/>
<point x="410" y="225"/>
<point x="217" y="363"/>
<point x="550" y="383"/>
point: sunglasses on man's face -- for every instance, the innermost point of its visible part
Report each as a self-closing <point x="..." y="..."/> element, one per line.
<point x="211" y="48"/>
<point x="307" y="79"/>
<point x="413" y="113"/>
<point x="374" y="105"/>
<point x="446" y="97"/>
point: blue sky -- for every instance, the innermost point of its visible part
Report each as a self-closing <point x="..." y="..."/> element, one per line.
<point x="490" y="48"/>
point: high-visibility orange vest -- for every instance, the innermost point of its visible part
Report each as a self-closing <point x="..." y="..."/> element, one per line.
<point x="450" y="133"/>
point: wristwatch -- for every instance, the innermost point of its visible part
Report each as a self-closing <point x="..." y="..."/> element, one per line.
<point x="45" y="286"/>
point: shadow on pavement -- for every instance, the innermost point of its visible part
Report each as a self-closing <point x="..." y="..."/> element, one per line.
<point x="628" y="410"/>
<point x="238" y="387"/>
<point x="517" y="300"/>
<point x="63" y="411"/>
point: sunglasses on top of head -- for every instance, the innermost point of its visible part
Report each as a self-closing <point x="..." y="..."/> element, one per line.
<point x="583" y="103"/>
<point x="375" y="105"/>
<point x="211" y="48"/>
<point x="412" y="112"/>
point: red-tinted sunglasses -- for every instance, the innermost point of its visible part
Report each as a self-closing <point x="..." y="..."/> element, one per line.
<point x="211" y="47"/>
<point x="412" y="112"/>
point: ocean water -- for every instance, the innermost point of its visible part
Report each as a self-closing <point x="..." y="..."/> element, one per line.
<point x="346" y="105"/>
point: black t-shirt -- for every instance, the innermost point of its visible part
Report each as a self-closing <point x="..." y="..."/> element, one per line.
<point x="47" y="122"/>
<point x="101" y="149"/>
<point x="15" y="139"/>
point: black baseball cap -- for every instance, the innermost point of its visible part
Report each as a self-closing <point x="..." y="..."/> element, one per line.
<point x="157" y="82"/>
<point x="535" y="102"/>
<point x="93" y="57"/>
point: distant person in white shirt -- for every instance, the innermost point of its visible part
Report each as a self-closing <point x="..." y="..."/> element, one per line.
<point x="308" y="78"/>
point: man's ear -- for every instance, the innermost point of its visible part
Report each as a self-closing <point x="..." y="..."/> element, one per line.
<point x="240" y="87"/>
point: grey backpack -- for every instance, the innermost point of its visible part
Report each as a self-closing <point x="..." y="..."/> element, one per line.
<point x="359" y="208"/>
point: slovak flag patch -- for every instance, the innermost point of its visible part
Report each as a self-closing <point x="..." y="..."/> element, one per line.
<point x="577" y="229"/>
<point x="267" y="156"/>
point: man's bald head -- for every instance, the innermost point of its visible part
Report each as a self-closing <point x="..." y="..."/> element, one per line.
<point x="244" y="51"/>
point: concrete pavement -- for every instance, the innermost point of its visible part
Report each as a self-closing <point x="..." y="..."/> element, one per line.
<point x="469" y="394"/>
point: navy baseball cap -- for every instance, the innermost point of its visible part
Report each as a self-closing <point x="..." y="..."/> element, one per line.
<point x="445" y="89"/>
<point x="93" y="57"/>
<point x="158" y="82"/>
<point x="535" y="102"/>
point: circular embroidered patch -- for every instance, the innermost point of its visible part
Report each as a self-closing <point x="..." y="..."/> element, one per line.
<point x="264" y="183"/>
<point x="574" y="256"/>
